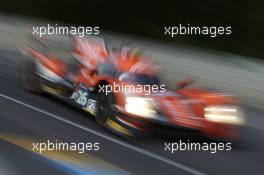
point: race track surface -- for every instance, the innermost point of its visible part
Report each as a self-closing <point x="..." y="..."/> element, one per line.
<point x="27" y="118"/>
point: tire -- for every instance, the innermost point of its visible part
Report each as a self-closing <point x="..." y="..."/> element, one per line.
<point x="27" y="74"/>
<point x="104" y="107"/>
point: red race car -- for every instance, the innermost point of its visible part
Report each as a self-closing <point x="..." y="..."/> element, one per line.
<point x="122" y="90"/>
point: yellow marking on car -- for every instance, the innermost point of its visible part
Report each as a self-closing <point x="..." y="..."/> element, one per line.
<point x="89" y="111"/>
<point x="118" y="127"/>
<point x="52" y="90"/>
<point x="48" y="89"/>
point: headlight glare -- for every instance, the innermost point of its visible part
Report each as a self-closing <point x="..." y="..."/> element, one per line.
<point x="224" y="114"/>
<point x="140" y="106"/>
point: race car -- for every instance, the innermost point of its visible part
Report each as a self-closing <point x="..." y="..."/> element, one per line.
<point x="123" y="92"/>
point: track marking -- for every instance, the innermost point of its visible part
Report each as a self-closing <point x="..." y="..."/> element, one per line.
<point x="134" y="148"/>
<point x="69" y="160"/>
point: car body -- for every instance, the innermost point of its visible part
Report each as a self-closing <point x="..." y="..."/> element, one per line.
<point x="125" y="112"/>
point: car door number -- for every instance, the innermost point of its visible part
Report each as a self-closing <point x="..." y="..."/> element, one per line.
<point x="81" y="98"/>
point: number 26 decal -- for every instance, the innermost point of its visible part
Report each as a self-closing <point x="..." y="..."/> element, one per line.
<point x="81" y="98"/>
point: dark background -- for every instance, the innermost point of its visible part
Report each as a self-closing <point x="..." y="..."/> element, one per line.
<point x="148" y="19"/>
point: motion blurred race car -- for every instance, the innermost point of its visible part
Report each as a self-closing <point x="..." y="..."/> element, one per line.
<point x="122" y="90"/>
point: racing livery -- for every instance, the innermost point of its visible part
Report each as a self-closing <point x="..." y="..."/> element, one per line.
<point x="87" y="73"/>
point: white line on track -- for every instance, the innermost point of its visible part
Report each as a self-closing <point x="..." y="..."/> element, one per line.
<point x="134" y="148"/>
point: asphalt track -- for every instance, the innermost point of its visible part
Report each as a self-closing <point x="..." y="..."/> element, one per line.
<point x="25" y="116"/>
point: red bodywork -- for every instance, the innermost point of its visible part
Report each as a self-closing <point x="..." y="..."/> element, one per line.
<point x="183" y="107"/>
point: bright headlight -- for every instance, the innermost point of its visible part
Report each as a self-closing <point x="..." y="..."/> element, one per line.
<point x="224" y="114"/>
<point x="140" y="106"/>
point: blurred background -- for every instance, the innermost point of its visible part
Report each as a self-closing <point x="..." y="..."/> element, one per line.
<point x="149" y="18"/>
<point x="229" y="63"/>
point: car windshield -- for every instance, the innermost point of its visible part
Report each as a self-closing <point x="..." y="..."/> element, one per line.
<point x="140" y="78"/>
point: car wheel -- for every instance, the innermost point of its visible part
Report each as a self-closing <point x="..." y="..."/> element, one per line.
<point x="104" y="107"/>
<point x="28" y="77"/>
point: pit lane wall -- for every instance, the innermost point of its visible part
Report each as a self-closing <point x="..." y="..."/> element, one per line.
<point x="222" y="71"/>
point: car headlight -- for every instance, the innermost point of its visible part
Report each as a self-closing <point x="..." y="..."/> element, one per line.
<point x="140" y="106"/>
<point x="224" y="114"/>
